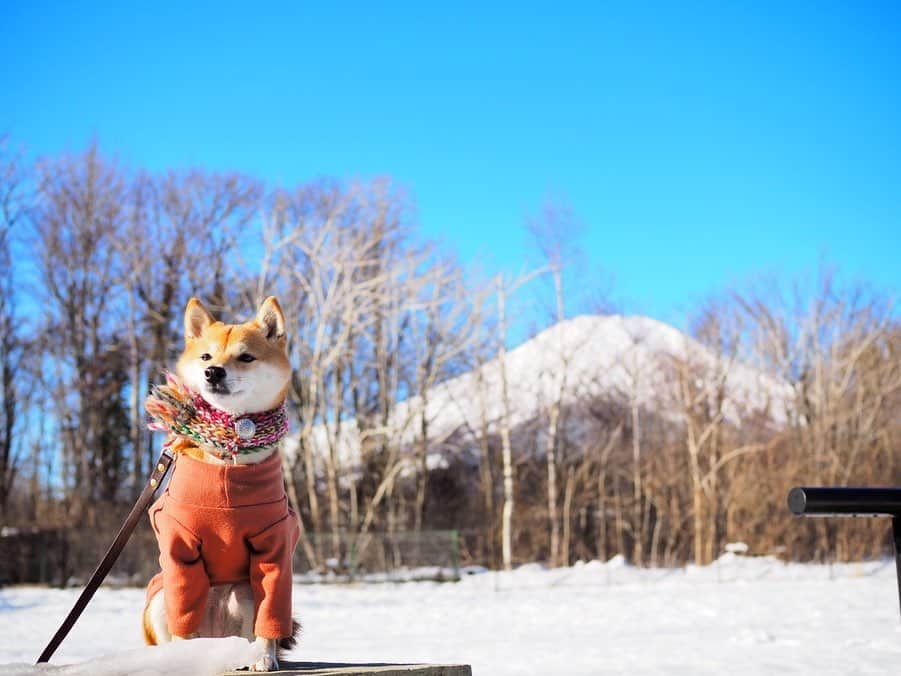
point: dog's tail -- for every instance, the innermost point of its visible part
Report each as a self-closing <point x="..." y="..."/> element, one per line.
<point x="147" y="625"/>
<point x="289" y="642"/>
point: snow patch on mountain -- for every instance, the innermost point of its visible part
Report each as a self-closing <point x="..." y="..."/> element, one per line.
<point x="626" y="358"/>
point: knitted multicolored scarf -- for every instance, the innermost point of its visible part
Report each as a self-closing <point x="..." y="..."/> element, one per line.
<point x="183" y="413"/>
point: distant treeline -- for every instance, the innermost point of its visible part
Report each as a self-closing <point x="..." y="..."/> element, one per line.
<point x="97" y="262"/>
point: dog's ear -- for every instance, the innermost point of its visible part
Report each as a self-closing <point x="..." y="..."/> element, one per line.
<point x="197" y="318"/>
<point x="271" y="319"/>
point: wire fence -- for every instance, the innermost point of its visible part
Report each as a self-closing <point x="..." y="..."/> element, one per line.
<point x="67" y="556"/>
<point x="379" y="557"/>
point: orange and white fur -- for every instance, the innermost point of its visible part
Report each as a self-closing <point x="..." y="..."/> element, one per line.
<point x="238" y="368"/>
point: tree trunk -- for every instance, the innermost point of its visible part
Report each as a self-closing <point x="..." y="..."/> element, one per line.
<point x="638" y="544"/>
<point x="507" y="515"/>
<point x="552" y="485"/>
<point x="567" y="515"/>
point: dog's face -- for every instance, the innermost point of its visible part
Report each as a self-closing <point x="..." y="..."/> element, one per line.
<point x="238" y="368"/>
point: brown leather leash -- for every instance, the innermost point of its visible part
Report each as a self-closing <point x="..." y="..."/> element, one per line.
<point x="156" y="478"/>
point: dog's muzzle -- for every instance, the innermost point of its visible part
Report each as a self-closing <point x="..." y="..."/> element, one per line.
<point x="215" y="379"/>
<point x="214" y="374"/>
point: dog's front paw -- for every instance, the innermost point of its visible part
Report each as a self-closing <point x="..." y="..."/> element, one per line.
<point x="269" y="660"/>
<point x="265" y="663"/>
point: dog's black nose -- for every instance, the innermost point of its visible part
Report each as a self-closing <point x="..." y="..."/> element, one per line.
<point x="214" y="374"/>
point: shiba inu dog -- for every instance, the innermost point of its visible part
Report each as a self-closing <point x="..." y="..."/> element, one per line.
<point x="225" y="531"/>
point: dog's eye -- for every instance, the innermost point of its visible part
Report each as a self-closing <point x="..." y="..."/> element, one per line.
<point x="205" y="356"/>
<point x="246" y="358"/>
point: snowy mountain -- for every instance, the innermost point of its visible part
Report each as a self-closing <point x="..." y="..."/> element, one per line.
<point x="614" y="356"/>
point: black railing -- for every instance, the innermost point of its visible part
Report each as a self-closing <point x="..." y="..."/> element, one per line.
<point x="852" y="501"/>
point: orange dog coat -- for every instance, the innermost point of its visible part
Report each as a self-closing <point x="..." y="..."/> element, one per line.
<point x="219" y="524"/>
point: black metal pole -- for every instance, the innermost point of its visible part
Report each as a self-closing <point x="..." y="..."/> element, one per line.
<point x="896" y="536"/>
<point x="852" y="501"/>
<point x="844" y="501"/>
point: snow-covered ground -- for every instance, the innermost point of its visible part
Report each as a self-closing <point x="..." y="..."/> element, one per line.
<point x="738" y="616"/>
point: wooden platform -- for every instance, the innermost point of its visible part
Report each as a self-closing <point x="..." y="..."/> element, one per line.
<point x="371" y="669"/>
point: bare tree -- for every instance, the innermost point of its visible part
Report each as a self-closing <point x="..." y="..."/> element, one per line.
<point x="836" y="348"/>
<point x="356" y="292"/>
<point x="442" y="337"/>
<point x="504" y="289"/>
<point x="639" y="364"/>
<point x="553" y="233"/>
<point x="77" y="216"/>
<point x="12" y="214"/>
<point x="177" y="241"/>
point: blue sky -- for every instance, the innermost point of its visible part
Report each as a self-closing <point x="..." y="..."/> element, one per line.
<point x="700" y="144"/>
